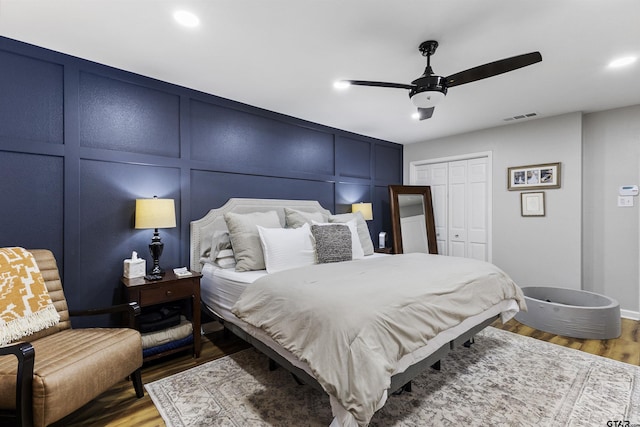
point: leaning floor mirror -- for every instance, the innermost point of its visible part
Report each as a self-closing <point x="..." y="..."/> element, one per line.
<point x="412" y="221"/>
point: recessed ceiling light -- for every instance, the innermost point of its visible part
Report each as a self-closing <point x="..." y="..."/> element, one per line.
<point x="187" y="19"/>
<point x="621" y="62"/>
<point x="341" y="84"/>
<point x="415" y="116"/>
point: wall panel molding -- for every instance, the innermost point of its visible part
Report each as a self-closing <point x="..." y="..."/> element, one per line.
<point x="122" y="116"/>
<point x="105" y="137"/>
<point x="35" y="89"/>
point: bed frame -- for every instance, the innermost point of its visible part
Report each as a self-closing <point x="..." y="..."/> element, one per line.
<point x="399" y="382"/>
<point x="202" y="231"/>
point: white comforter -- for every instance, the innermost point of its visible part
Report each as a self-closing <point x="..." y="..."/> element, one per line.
<point x="352" y="321"/>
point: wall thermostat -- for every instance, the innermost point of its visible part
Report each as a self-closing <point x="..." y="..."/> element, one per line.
<point x="628" y="190"/>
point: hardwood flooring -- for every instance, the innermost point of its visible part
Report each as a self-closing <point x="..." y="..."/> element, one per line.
<point x="119" y="406"/>
<point x="625" y="348"/>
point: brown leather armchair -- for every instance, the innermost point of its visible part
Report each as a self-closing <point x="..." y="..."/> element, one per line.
<point x="60" y="369"/>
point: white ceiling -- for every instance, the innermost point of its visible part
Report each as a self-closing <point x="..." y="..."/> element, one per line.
<point x="284" y="55"/>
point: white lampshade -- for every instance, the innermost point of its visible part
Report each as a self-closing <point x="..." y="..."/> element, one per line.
<point x="155" y="213"/>
<point x="427" y="99"/>
<point x="364" y="208"/>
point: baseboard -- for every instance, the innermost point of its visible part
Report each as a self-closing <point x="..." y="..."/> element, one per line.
<point x="628" y="314"/>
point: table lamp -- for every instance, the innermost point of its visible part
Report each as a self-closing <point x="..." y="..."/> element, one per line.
<point x="155" y="213"/>
<point x="364" y="208"/>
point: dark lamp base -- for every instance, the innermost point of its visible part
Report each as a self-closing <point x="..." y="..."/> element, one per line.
<point x="157" y="271"/>
<point x="155" y="249"/>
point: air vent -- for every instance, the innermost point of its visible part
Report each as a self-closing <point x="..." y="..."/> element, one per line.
<point x="520" y="117"/>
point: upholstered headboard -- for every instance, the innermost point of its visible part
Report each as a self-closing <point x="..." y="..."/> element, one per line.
<point x="202" y="229"/>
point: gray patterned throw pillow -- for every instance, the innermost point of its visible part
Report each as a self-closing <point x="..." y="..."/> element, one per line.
<point x="333" y="243"/>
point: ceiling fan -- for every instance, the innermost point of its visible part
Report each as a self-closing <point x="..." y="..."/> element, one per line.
<point x="429" y="89"/>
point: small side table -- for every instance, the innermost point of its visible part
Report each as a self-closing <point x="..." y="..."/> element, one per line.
<point x="383" y="250"/>
<point x="169" y="288"/>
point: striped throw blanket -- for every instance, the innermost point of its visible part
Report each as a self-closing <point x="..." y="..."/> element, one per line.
<point x="25" y="305"/>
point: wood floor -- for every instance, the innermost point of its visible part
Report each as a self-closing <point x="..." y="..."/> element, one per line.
<point x="626" y="348"/>
<point x="119" y="406"/>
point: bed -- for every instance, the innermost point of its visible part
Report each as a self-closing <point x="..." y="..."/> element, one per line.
<point x="366" y="350"/>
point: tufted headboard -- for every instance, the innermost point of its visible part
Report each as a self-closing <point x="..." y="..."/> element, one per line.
<point x="202" y="229"/>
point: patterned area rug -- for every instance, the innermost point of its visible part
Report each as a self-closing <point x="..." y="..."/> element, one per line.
<point x="504" y="379"/>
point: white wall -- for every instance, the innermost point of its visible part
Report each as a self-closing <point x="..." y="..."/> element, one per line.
<point x="610" y="234"/>
<point x="534" y="251"/>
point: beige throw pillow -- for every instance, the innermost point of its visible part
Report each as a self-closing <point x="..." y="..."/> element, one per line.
<point x="245" y="240"/>
<point x="296" y="218"/>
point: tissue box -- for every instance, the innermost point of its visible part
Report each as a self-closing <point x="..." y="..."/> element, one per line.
<point x="135" y="268"/>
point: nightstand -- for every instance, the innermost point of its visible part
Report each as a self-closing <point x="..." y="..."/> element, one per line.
<point x="383" y="250"/>
<point x="168" y="289"/>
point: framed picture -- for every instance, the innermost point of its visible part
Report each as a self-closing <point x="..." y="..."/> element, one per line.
<point x="532" y="204"/>
<point x="534" y="176"/>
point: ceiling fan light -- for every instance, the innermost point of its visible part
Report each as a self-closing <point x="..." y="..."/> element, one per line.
<point x="621" y="62"/>
<point x="186" y="18"/>
<point x="427" y="98"/>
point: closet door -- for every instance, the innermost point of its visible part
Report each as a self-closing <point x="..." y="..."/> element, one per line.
<point x="458" y="208"/>
<point x="435" y="175"/>
<point x="460" y="204"/>
<point x="477" y="209"/>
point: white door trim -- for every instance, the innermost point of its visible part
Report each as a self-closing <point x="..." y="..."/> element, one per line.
<point x="629" y="314"/>
<point x="489" y="156"/>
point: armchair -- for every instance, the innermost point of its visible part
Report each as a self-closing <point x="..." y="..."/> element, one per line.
<point x="60" y="369"/>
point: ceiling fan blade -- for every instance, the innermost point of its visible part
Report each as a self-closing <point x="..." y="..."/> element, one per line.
<point x="425" y="113"/>
<point x="379" y="84"/>
<point x="493" y="69"/>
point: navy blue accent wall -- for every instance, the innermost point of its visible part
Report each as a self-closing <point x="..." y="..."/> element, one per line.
<point x="79" y="142"/>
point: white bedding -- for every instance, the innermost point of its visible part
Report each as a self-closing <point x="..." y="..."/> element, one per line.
<point x="352" y="333"/>
<point x="220" y="288"/>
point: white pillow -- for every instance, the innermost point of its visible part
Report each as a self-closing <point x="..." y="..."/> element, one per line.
<point x="287" y="248"/>
<point x="226" y="262"/>
<point x="225" y="259"/>
<point x="363" y="229"/>
<point x="356" y="247"/>
<point x="225" y="253"/>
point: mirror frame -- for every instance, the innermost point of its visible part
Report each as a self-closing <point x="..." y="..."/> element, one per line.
<point x="425" y="191"/>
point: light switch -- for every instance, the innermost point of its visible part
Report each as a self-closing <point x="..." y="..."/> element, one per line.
<point x="625" y="201"/>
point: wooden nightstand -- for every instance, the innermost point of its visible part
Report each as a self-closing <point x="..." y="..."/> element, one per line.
<point x="170" y="288"/>
<point x="383" y="250"/>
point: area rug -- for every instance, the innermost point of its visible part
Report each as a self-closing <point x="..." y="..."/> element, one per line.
<point x="504" y="379"/>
